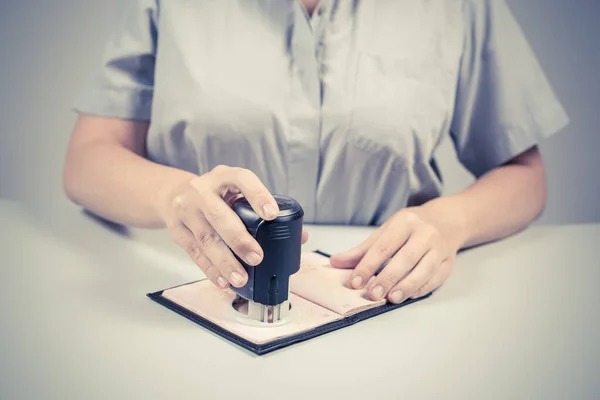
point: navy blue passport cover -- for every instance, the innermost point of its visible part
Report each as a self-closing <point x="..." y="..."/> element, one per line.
<point x="260" y="349"/>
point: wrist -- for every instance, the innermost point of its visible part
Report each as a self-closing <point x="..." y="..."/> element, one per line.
<point x="451" y="218"/>
<point x="166" y="192"/>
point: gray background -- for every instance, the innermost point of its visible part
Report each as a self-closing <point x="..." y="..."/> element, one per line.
<point x="49" y="49"/>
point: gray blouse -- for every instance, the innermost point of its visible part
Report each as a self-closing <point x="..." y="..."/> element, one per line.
<point x="341" y="110"/>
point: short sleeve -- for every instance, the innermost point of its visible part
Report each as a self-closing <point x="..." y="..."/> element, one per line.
<point x="123" y="86"/>
<point x="504" y="102"/>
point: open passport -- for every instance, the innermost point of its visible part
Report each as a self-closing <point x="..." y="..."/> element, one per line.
<point x="320" y="297"/>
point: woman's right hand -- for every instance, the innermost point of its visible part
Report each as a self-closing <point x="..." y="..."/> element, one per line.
<point x="199" y="216"/>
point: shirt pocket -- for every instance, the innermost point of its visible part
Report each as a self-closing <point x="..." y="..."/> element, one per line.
<point x="399" y="106"/>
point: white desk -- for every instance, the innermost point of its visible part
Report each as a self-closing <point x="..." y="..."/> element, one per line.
<point x="517" y="319"/>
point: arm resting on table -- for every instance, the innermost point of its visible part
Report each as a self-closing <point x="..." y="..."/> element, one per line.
<point x="500" y="203"/>
<point x="107" y="173"/>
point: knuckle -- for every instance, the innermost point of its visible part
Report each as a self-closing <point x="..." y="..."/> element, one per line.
<point x="428" y="287"/>
<point x="389" y="279"/>
<point x="249" y="176"/>
<point x="212" y="213"/>
<point x="218" y="173"/>
<point x="241" y="171"/>
<point x="260" y="196"/>
<point x="210" y="271"/>
<point x="179" y="202"/>
<point x="208" y="239"/>
<point x="410" y="257"/>
<point x="241" y="174"/>
<point x="241" y="242"/>
<point x="410" y="218"/>
<point x="429" y="267"/>
<point x="226" y="267"/>
<point x="170" y="226"/>
<point x="244" y="172"/>
<point x="193" y="251"/>
<point x="410" y="286"/>
<point x="431" y="233"/>
<point x="220" y="169"/>
<point x="200" y="183"/>
<point x="187" y="245"/>
<point x="382" y="250"/>
<point x="367" y="270"/>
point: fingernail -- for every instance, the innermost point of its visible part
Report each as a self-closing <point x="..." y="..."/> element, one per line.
<point x="377" y="292"/>
<point x="396" y="297"/>
<point x="253" y="259"/>
<point x="222" y="282"/>
<point x="269" y="210"/>
<point x="357" y="282"/>
<point x="236" y="278"/>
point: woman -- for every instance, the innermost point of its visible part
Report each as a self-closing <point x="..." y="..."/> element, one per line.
<point x="339" y="104"/>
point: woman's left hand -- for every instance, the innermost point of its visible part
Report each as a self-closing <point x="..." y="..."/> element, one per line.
<point x="421" y="248"/>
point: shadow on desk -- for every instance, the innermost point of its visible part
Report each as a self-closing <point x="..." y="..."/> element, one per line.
<point x="109" y="225"/>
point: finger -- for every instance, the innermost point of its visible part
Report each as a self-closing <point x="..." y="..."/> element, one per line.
<point x="251" y="187"/>
<point x="231" y="195"/>
<point x="229" y="227"/>
<point x="212" y="245"/>
<point x="429" y="287"/>
<point x="378" y="254"/>
<point x="420" y="275"/>
<point x="350" y="258"/>
<point x="433" y="283"/>
<point x="304" y="236"/>
<point x="185" y="238"/>
<point x="400" y="265"/>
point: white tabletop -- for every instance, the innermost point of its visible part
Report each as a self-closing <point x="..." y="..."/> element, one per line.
<point x="518" y="319"/>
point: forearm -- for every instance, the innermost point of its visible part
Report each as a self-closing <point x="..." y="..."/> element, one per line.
<point x="499" y="204"/>
<point x="116" y="184"/>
